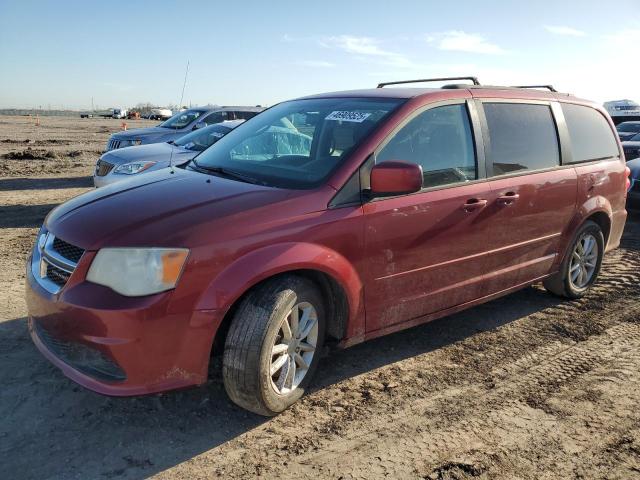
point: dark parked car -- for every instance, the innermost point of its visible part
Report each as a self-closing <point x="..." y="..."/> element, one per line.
<point x="180" y="124"/>
<point x="406" y="205"/>
<point x="631" y="147"/>
<point x="121" y="164"/>
<point x="633" y="196"/>
<point x="626" y="130"/>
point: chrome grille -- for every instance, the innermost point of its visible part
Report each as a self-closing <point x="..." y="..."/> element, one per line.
<point x="53" y="261"/>
<point x="113" y="144"/>
<point x="67" y="250"/>
<point x="103" y="168"/>
<point x="57" y="275"/>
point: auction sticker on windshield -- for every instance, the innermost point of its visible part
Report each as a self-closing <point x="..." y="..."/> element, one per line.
<point x="357" y="117"/>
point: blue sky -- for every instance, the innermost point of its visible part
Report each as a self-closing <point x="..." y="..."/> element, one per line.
<point x="63" y="53"/>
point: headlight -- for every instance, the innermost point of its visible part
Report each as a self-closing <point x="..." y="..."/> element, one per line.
<point x="133" y="168"/>
<point x="138" y="271"/>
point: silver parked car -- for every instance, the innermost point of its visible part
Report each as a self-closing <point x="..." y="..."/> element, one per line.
<point x="123" y="163"/>
<point x="180" y="124"/>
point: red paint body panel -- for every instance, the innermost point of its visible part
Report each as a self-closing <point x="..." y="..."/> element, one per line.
<point x="400" y="261"/>
<point x="425" y="252"/>
<point x="526" y="232"/>
<point x="158" y="350"/>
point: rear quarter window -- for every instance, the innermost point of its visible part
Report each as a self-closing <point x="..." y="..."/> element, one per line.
<point x="591" y="136"/>
<point x="522" y="136"/>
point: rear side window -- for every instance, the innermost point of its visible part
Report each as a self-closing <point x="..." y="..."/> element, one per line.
<point x="440" y="141"/>
<point x="216" y="117"/>
<point x="591" y="136"/>
<point x="522" y="137"/>
<point x="242" y="115"/>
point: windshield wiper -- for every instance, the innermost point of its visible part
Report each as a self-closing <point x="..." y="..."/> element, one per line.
<point x="227" y="173"/>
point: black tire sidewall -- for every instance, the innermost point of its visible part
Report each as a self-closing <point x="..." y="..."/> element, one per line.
<point x="596" y="231"/>
<point x="299" y="290"/>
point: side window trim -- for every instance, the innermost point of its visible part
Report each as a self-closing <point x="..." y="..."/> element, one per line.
<point x="487" y="137"/>
<point x="571" y="161"/>
<point x="566" y="154"/>
<point x="483" y="132"/>
<point x="475" y="122"/>
<point x="476" y="138"/>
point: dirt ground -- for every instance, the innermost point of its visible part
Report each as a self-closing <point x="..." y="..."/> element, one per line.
<point x="525" y="387"/>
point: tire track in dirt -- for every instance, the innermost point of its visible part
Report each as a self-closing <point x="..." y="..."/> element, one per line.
<point x="429" y="443"/>
<point x="540" y="348"/>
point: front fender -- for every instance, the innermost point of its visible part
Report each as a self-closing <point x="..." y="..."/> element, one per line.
<point x="265" y="262"/>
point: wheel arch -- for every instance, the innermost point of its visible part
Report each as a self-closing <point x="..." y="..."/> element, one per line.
<point x="597" y="209"/>
<point x="330" y="271"/>
<point x="604" y="221"/>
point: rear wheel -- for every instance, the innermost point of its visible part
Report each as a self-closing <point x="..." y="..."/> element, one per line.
<point x="581" y="266"/>
<point x="273" y="345"/>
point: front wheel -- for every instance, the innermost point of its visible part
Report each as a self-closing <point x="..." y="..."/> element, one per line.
<point x="581" y="266"/>
<point x="273" y="345"/>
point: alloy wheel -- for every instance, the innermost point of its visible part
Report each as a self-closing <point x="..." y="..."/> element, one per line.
<point x="294" y="347"/>
<point x="584" y="260"/>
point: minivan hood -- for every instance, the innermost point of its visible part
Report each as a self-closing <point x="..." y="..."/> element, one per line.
<point x="156" y="209"/>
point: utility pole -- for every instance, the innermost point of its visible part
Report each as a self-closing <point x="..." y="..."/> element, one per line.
<point x="184" y="85"/>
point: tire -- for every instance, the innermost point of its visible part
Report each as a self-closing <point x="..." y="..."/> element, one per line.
<point x="256" y="328"/>
<point x="562" y="283"/>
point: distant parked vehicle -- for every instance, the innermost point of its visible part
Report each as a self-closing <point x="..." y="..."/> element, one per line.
<point x="627" y="130"/>
<point x="119" y="113"/>
<point x="86" y="115"/>
<point x="180" y="124"/>
<point x="633" y="195"/>
<point x="122" y="163"/>
<point x="632" y="147"/>
<point x="623" y="110"/>
<point x="160" y="114"/>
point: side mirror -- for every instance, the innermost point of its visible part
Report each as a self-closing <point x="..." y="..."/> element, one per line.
<point x="199" y="125"/>
<point x="395" y="177"/>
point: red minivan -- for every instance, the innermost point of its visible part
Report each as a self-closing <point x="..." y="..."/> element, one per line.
<point x="342" y="216"/>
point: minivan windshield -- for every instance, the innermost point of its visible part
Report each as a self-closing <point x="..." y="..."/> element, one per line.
<point x="202" y="139"/>
<point x="182" y="119"/>
<point x="297" y="144"/>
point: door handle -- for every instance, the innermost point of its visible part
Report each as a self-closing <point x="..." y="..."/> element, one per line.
<point x="474" y="204"/>
<point x="508" y="198"/>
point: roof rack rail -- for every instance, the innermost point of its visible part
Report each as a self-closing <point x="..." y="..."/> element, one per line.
<point x="548" y="87"/>
<point x="443" y="79"/>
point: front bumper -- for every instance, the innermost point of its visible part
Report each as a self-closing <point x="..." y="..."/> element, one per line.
<point x="120" y="346"/>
